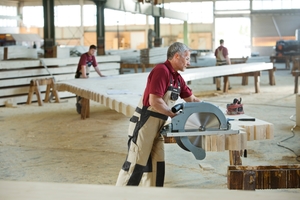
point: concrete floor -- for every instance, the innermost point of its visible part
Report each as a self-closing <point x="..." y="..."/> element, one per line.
<point x="52" y="144"/>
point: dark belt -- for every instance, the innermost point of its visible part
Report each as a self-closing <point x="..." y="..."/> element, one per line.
<point x="153" y="114"/>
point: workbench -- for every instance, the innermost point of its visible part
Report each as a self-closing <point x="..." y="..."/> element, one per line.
<point x="122" y="94"/>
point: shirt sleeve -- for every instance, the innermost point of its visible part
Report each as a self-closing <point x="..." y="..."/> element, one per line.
<point x="185" y="91"/>
<point x="225" y="52"/>
<point x="94" y="61"/>
<point x="159" y="82"/>
<point x="82" y="60"/>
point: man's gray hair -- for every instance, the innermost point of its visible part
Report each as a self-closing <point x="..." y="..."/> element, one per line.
<point x="176" y="47"/>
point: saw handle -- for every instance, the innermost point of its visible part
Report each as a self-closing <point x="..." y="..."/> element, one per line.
<point x="177" y="107"/>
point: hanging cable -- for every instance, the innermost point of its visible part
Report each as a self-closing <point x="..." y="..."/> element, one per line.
<point x="292" y="130"/>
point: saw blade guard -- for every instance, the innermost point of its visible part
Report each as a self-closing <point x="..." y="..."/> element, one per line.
<point x="197" y="117"/>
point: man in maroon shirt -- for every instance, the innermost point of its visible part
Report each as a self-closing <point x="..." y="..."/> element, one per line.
<point x="86" y="61"/>
<point x="222" y="58"/>
<point x="145" y="165"/>
<point x="83" y="70"/>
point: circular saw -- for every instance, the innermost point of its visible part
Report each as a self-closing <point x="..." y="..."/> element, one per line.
<point x="195" y="120"/>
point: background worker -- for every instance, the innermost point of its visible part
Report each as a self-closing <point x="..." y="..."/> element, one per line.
<point x="145" y="163"/>
<point x="83" y="70"/>
<point x="222" y="58"/>
<point x="86" y="61"/>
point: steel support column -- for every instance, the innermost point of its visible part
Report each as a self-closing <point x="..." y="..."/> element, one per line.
<point x="49" y="29"/>
<point x="185" y="33"/>
<point x="157" y="40"/>
<point x="100" y="27"/>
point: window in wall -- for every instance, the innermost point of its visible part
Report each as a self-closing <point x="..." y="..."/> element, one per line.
<point x="201" y="13"/>
<point x="114" y="17"/>
<point x="89" y="15"/>
<point x="236" y="35"/>
<point x="198" y="12"/>
<point x="8" y="11"/>
<point x="232" y="5"/>
<point x="275" y="4"/>
<point x="67" y="15"/>
<point x="33" y="16"/>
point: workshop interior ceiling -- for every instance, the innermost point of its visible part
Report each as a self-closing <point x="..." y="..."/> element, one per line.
<point x="66" y="2"/>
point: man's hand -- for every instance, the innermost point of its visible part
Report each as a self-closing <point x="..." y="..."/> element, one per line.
<point x="98" y="72"/>
<point x="160" y="106"/>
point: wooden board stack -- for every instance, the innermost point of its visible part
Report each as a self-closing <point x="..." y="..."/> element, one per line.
<point x="18" y="52"/>
<point x="154" y="55"/>
<point x="16" y="75"/>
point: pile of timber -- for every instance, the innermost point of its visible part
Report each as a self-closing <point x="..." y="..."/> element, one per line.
<point x="154" y="55"/>
<point x="16" y="75"/>
<point x="18" y="52"/>
<point x="127" y="56"/>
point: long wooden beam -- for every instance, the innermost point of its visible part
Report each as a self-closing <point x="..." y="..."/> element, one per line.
<point x="122" y="93"/>
<point x="43" y="190"/>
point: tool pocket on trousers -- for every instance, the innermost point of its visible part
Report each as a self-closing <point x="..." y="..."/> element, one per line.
<point x="132" y="124"/>
<point x="132" y="153"/>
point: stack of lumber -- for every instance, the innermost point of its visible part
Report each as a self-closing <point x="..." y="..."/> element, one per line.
<point x="16" y="75"/>
<point x="18" y="52"/>
<point x="154" y="55"/>
<point x="127" y="56"/>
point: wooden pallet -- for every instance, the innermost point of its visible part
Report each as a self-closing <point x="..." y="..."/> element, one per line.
<point x="263" y="177"/>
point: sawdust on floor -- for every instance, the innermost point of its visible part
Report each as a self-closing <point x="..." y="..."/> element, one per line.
<point x="51" y="143"/>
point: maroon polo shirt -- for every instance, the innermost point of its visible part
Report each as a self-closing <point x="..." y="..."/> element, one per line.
<point x="159" y="81"/>
<point x="87" y="60"/>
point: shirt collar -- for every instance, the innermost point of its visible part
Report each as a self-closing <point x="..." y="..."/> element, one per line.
<point x="169" y="66"/>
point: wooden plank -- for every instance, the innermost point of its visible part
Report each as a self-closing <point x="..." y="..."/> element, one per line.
<point x="26" y="190"/>
<point x="235" y="179"/>
<point x="235" y="157"/>
<point x="75" y="60"/>
<point x="36" y="72"/>
<point x="17" y="52"/>
<point x="249" y="180"/>
<point x="293" y="178"/>
<point x="58" y="70"/>
<point x="16" y="64"/>
<point x="58" y="77"/>
<point x="21" y="99"/>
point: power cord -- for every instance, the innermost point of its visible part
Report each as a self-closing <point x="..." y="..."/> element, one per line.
<point x="292" y="130"/>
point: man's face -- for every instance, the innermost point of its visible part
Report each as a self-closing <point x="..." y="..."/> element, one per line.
<point x="182" y="61"/>
<point x="92" y="51"/>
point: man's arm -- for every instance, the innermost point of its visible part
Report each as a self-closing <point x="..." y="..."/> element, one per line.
<point x="158" y="104"/>
<point x="98" y="71"/>
<point x="83" y="71"/>
<point x="228" y="60"/>
<point x="192" y="98"/>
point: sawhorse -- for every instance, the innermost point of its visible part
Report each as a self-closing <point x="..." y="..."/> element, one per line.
<point x="34" y="88"/>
